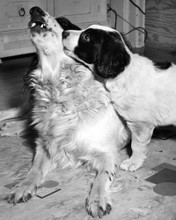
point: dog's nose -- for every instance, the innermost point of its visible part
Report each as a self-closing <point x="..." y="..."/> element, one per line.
<point x="36" y="11"/>
<point x="65" y="34"/>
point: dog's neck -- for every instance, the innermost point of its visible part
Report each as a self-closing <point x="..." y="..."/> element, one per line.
<point x="131" y="75"/>
<point x="52" y="63"/>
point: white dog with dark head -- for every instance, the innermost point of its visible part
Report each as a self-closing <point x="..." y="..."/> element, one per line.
<point x="142" y="92"/>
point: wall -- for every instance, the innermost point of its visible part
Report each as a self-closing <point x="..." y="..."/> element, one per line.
<point x="161" y="23"/>
<point x="129" y="17"/>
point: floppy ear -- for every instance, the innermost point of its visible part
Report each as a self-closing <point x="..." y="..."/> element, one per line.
<point x="113" y="57"/>
<point x="66" y="24"/>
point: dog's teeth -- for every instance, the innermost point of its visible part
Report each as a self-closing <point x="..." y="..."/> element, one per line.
<point x="43" y="25"/>
<point x="33" y="24"/>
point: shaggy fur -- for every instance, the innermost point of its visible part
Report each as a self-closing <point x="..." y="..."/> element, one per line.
<point x="74" y="118"/>
<point x="142" y="92"/>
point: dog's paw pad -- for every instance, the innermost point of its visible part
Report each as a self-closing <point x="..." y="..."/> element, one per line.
<point x="131" y="165"/>
<point x="14" y="198"/>
<point x="21" y="194"/>
<point x="98" y="208"/>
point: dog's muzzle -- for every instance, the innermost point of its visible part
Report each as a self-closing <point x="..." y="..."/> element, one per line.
<point x="65" y="34"/>
<point x="37" y="22"/>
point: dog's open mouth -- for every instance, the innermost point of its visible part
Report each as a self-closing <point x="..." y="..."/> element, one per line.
<point x="37" y="25"/>
<point x="67" y="51"/>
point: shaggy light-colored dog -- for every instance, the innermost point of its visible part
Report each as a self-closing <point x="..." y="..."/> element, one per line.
<point x="143" y="92"/>
<point x="73" y="115"/>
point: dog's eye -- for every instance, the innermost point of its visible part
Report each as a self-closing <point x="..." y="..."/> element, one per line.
<point x="86" y="37"/>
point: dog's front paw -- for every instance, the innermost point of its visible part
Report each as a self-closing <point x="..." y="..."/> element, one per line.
<point x="132" y="164"/>
<point x="98" y="206"/>
<point x="22" y="192"/>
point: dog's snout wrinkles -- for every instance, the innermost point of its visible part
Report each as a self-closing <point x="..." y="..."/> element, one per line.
<point x="36" y="11"/>
<point x="65" y="34"/>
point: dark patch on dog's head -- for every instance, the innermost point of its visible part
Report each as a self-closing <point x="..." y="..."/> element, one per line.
<point x="66" y="24"/>
<point x="105" y="50"/>
<point x="162" y="65"/>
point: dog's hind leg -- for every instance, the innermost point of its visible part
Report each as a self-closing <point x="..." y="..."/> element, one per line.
<point x="10" y="113"/>
<point x="15" y="112"/>
<point x="98" y="202"/>
<point x="141" y="136"/>
<point x="13" y="121"/>
<point x="27" y="188"/>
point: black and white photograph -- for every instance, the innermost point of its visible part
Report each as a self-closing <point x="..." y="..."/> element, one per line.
<point x="87" y="109"/>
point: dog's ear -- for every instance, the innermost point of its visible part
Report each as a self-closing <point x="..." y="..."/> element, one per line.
<point x="113" y="57"/>
<point x="66" y="24"/>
